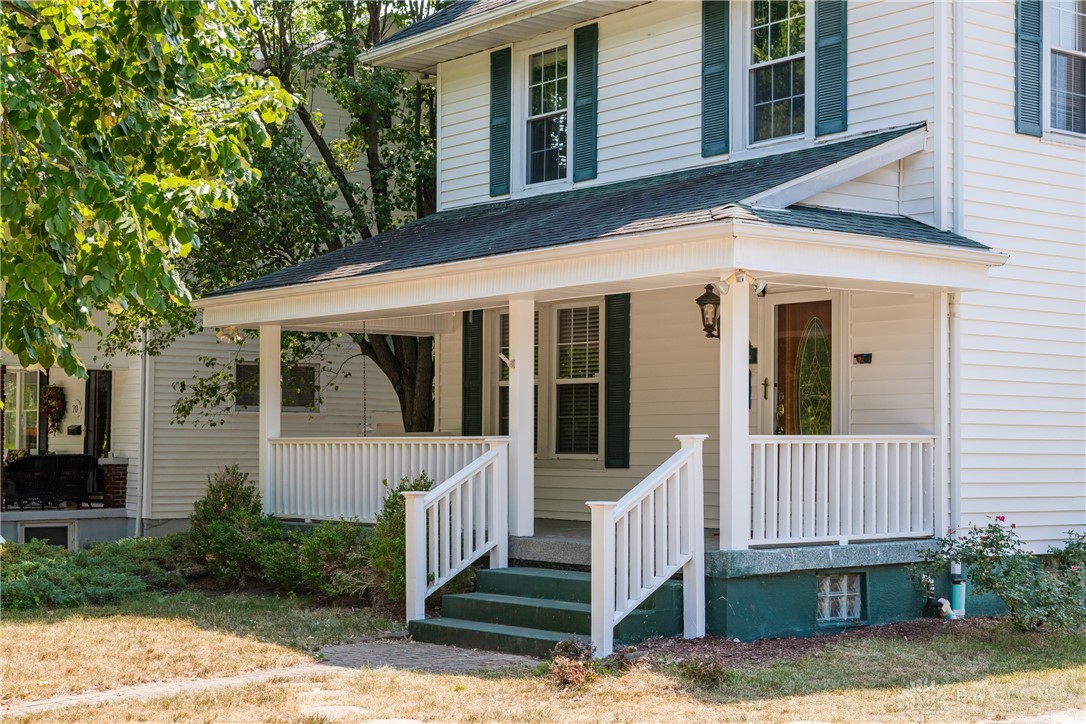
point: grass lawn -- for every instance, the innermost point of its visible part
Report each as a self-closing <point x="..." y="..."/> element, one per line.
<point x="158" y="637"/>
<point x="984" y="670"/>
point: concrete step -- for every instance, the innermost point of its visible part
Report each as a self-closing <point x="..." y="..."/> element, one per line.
<point x="489" y="636"/>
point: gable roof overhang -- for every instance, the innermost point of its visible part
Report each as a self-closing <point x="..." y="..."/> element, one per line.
<point x="654" y="232"/>
<point x="413" y="301"/>
<point x="471" y="26"/>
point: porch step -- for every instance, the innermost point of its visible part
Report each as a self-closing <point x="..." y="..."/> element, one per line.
<point x="529" y="610"/>
<point x="489" y="636"/>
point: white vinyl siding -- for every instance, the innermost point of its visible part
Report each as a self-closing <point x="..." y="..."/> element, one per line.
<point x="179" y="476"/>
<point x="464" y="131"/>
<point x="895" y="394"/>
<point x="1023" y="342"/>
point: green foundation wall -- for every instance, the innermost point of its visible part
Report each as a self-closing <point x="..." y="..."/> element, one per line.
<point x="786" y="604"/>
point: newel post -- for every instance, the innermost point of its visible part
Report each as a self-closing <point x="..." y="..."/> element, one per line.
<point x="499" y="522"/>
<point x="271" y="404"/>
<point x="415" y="573"/>
<point x="603" y="577"/>
<point x="694" y="570"/>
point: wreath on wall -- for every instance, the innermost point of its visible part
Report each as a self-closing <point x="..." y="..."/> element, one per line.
<point x="53" y="405"/>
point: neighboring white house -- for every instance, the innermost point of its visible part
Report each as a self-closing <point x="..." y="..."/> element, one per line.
<point x="124" y="416"/>
<point x="882" y="204"/>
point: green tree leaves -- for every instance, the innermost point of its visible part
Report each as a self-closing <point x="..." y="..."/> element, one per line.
<point x="124" y="123"/>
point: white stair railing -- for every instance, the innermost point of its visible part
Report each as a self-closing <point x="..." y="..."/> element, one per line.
<point x="841" y="488"/>
<point x="646" y="537"/>
<point x="455" y="523"/>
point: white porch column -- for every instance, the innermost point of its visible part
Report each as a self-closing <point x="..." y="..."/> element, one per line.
<point x="271" y="404"/>
<point x="521" y="417"/>
<point x="734" y="418"/>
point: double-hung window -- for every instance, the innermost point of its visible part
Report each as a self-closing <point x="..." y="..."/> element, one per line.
<point x="1068" y="44"/>
<point x="777" y="68"/>
<point x="548" y="103"/>
<point x="577" y="381"/>
<point x="21" y="416"/>
<point x="299" y="387"/>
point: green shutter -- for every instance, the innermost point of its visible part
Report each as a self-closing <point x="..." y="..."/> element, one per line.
<point x="471" y="414"/>
<point x="831" y="66"/>
<point x="714" y="77"/>
<point x="1027" y="67"/>
<point x="500" y="113"/>
<point x="585" y="47"/>
<point x="616" y="380"/>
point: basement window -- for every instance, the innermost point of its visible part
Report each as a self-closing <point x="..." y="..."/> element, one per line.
<point x="839" y="597"/>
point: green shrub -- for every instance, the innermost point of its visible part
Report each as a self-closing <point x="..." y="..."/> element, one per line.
<point x="387" y="547"/>
<point x="334" y="560"/>
<point x="230" y="532"/>
<point x="38" y="574"/>
<point x="993" y="557"/>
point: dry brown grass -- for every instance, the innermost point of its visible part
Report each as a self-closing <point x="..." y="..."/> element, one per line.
<point x="161" y="638"/>
<point x="639" y="695"/>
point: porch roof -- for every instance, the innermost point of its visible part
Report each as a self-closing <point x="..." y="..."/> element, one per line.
<point x="666" y="201"/>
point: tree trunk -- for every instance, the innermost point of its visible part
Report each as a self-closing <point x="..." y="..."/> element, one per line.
<point x="335" y="169"/>
<point x="408" y="363"/>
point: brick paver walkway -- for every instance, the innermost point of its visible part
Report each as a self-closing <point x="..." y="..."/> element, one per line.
<point x="396" y="653"/>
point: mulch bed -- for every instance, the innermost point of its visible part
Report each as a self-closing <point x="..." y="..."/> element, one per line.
<point x="745" y="654"/>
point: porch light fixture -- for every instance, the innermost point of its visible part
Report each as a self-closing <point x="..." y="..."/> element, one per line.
<point x="760" y="287"/>
<point x="709" y="303"/>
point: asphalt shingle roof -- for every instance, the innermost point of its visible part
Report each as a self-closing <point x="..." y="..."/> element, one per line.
<point x="598" y="212"/>
<point x="455" y="11"/>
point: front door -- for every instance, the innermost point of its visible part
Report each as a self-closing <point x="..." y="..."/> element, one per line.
<point x="804" y="369"/>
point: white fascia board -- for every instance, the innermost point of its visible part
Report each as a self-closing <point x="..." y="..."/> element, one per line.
<point x="843" y="171"/>
<point x="459" y="29"/>
<point x="481" y="283"/>
<point x="669" y="257"/>
<point x="857" y="258"/>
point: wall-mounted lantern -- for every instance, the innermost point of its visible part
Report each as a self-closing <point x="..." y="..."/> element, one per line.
<point x="709" y="303"/>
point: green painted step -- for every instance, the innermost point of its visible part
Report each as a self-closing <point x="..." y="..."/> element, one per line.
<point x="490" y="636"/>
<point x="529" y="610"/>
<point x="541" y="613"/>
<point x="557" y="585"/>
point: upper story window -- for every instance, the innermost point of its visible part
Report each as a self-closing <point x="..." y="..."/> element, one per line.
<point x="1069" y="66"/>
<point x="777" y="68"/>
<point x="547" y="115"/>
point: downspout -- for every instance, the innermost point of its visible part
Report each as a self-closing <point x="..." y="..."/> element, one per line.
<point x="957" y="587"/>
<point x="143" y="456"/>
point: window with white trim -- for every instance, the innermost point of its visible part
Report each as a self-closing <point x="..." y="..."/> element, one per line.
<point x="577" y="381"/>
<point x="839" y="597"/>
<point x="548" y="103"/>
<point x="299" y="384"/>
<point x="21" y="413"/>
<point x="778" y="32"/>
<point x="1068" y="67"/>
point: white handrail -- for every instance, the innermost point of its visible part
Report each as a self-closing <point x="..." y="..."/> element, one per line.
<point x="841" y="488"/>
<point x="451" y="526"/>
<point x="643" y="539"/>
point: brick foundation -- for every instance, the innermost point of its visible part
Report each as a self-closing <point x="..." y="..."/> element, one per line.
<point x="114" y="482"/>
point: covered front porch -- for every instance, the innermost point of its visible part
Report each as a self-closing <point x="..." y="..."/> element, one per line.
<point x="688" y="354"/>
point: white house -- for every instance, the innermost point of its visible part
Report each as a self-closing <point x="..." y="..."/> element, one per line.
<point x="878" y="208"/>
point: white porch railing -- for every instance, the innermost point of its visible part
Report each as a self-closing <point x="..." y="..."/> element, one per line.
<point x="643" y="539"/>
<point x="452" y="525"/>
<point x="334" y="478"/>
<point x="820" y="488"/>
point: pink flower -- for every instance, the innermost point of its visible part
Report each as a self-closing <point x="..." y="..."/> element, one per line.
<point x="1013" y="525"/>
<point x="1001" y="518"/>
<point x="1074" y="568"/>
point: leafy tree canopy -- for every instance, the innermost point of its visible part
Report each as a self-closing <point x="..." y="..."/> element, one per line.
<point x="123" y="124"/>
